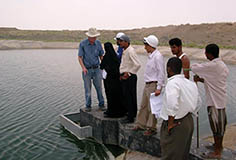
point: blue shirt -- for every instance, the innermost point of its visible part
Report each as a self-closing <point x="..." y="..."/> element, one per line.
<point x="90" y="52"/>
<point x="119" y="52"/>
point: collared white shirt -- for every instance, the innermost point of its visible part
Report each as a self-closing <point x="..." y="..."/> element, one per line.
<point x="155" y="69"/>
<point x="180" y="97"/>
<point x="129" y="61"/>
<point x="215" y="74"/>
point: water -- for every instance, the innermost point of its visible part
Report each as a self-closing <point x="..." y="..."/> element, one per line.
<point x="36" y="86"/>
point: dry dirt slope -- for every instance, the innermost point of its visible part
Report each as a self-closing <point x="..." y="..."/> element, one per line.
<point x="223" y="34"/>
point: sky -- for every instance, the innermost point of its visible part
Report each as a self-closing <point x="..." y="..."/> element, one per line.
<point x="112" y="14"/>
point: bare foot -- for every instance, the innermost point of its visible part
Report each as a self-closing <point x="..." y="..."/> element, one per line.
<point x="211" y="147"/>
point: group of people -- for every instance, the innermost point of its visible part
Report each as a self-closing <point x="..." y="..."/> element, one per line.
<point x="118" y="69"/>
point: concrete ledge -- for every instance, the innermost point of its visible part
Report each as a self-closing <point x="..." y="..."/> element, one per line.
<point x="105" y="130"/>
<point x="111" y="131"/>
<point x="135" y="140"/>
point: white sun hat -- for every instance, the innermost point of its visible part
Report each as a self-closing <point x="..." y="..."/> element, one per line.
<point x="119" y="35"/>
<point x="151" y="40"/>
<point x="92" y="32"/>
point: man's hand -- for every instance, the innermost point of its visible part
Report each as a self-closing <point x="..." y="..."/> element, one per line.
<point x="157" y="92"/>
<point x="196" y="78"/>
<point x="171" y="124"/>
<point x="125" y="76"/>
<point x="85" y="71"/>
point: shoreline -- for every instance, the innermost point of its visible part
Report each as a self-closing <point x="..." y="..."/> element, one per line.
<point x="228" y="55"/>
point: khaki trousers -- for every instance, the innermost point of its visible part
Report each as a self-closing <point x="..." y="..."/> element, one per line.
<point x="145" y="118"/>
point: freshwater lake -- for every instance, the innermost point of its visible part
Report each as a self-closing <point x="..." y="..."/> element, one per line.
<point x="36" y="86"/>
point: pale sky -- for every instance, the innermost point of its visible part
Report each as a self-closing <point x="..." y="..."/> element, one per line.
<point x="112" y="14"/>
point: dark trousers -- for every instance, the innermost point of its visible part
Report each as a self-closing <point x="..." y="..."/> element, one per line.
<point x="129" y="92"/>
<point x="114" y="96"/>
<point x="176" y="144"/>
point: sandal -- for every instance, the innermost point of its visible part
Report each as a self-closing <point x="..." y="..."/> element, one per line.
<point x="137" y="128"/>
<point x="149" y="132"/>
<point x="211" y="155"/>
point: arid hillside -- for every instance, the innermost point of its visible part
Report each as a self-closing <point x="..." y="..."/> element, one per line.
<point x="199" y="35"/>
<point x="223" y="34"/>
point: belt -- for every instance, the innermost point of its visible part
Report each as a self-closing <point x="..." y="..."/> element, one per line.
<point x="92" y="67"/>
<point x="151" y="82"/>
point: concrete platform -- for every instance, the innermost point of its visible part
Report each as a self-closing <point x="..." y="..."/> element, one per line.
<point x="111" y="131"/>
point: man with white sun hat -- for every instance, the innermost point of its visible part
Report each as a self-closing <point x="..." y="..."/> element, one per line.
<point x="119" y="49"/>
<point x="154" y="81"/>
<point x="151" y="41"/>
<point x="89" y="56"/>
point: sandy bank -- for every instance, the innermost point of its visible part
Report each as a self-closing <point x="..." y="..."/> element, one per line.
<point x="17" y="44"/>
<point x="229" y="56"/>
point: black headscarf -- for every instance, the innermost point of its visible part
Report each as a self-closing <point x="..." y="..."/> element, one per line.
<point x="110" y="60"/>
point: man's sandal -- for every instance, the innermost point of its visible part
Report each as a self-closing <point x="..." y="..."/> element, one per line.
<point x="149" y="132"/>
<point x="137" y="128"/>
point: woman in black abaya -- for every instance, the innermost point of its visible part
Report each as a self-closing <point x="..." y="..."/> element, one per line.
<point x="111" y="64"/>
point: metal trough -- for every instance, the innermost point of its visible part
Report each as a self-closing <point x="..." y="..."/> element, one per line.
<point x="71" y="123"/>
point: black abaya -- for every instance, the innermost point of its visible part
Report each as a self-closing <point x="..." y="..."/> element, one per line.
<point x="112" y="84"/>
